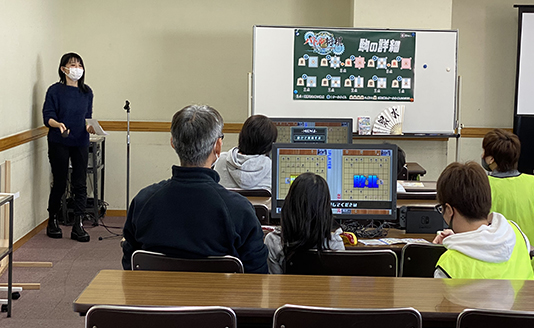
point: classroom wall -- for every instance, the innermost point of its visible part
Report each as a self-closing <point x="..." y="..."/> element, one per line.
<point x="412" y="14"/>
<point x="30" y="39"/>
<point x="165" y="54"/>
<point x="487" y="57"/>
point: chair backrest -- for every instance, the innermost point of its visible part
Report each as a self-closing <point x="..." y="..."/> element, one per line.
<point x="262" y="212"/>
<point x="152" y="261"/>
<point x="252" y="192"/>
<point x="419" y="260"/>
<point x="495" y="318"/>
<point x="296" y="316"/>
<point x="344" y="263"/>
<point x="107" y="316"/>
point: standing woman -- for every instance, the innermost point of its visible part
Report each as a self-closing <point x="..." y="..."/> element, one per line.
<point x="68" y="103"/>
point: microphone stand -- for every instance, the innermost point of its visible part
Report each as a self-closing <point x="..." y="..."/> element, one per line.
<point x="127" y="108"/>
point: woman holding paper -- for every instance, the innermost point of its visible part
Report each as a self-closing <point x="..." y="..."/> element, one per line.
<point x="67" y="105"/>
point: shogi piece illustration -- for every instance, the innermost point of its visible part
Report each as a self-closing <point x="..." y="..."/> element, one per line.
<point x="370" y="63"/>
<point x="336" y="82"/>
<point x="358" y="82"/>
<point x="394" y="63"/>
<point x="302" y="62"/>
<point x="348" y="83"/>
<point x="300" y="82"/>
<point x="311" y="81"/>
<point x="324" y="82"/>
<point x="394" y="84"/>
<point x="348" y="62"/>
<point x="335" y="62"/>
<point x="406" y="63"/>
<point x="381" y="83"/>
<point x="313" y="62"/>
<point x="406" y="83"/>
<point x="359" y="62"/>
<point x="324" y="62"/>
<point x="382" y="62"/>
<point x="370" y="83"/>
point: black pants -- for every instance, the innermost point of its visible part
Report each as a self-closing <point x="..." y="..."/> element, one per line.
<point x="58" y="156"/>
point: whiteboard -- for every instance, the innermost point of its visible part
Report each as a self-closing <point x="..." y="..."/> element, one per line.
<point x="525" y="96"/>
<point x="433" y="110"/>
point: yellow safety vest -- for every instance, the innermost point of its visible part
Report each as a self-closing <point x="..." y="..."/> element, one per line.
<point x="513" y="197"/>
<point x="458" y="265"/>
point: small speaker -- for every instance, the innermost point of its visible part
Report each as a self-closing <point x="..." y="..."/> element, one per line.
<point x="423" y="220"/>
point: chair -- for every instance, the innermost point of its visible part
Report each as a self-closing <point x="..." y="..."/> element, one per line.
<point x="107" y="316"/>
<point x="252" y="192"/>
<point x="494" y="318"/>
<point x="145" y="260"/>
<point x="419" y="260"/>
<point x="296" y="316"/>
<point x="262" y="211"/>
<point x="344" y="263"/>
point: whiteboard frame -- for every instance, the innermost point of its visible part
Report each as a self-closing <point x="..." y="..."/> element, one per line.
<point x="273" y="100"/>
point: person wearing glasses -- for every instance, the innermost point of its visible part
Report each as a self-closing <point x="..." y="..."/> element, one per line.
<point x="512" y="192"/>
<point x="480" y="244"/>
<point x="191" y="215"/>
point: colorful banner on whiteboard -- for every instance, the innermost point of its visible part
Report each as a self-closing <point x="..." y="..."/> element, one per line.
<point x="354" y="65"/>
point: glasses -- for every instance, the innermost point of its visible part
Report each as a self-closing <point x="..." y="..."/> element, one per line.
<point x="439" y="208"/>
<point x="222" y="136"/>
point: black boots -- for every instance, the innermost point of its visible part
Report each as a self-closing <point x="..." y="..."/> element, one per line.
<point x="78" y="233"/>
<point x="53" y="230"/>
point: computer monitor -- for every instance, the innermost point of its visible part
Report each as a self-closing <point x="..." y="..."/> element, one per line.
<point x="313" y="130"/>
<point x="362" y="178"/>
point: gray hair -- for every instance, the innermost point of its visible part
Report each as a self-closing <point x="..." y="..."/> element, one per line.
<point x="194" y="130"/>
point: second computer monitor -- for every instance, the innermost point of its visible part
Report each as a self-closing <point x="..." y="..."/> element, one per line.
<point x="362" y="178"/>
<point x="313" y="130"/>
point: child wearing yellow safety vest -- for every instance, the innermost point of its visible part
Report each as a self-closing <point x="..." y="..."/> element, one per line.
<point x="480" y="244"/>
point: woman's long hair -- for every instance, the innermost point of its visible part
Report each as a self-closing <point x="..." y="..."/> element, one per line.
<point x="65" y="59"/>
<point x="307" y="218"/>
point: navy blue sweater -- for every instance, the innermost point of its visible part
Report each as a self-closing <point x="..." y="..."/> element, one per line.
<point x="192" y="216"/>
<point x="70" y="106"/>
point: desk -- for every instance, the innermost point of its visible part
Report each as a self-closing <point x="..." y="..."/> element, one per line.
<point x="255" y="297"/>
<point x="407" y="200"/>
<point x="96" y="170"/>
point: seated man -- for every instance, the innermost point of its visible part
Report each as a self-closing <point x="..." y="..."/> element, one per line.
<point x="480" y="244"/>
<point x="191" y="215"/>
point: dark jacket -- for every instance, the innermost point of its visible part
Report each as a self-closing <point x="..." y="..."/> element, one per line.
<point x="70" y="106"/>
<point x="192" y="216"/>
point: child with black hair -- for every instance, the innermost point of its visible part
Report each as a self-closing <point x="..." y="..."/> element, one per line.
<point x="307" y="222"/>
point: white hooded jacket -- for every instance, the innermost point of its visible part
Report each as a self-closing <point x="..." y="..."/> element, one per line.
<point x="244" y="171"/>
<point x="492" y="243"/>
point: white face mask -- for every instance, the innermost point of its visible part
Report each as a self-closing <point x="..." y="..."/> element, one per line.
<point x="75" y="73"/>
<point x="216" y="160"/>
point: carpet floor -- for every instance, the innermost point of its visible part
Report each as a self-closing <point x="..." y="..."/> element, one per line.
<point x="75" y="264"/>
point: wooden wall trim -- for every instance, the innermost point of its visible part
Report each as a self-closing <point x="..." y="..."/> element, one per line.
<point x="140" y="126"/>
<point x="478" y="132"/>
<point x="146" y="126"/>
<point x="22" y="138"/>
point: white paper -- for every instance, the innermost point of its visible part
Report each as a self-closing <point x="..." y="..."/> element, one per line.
<point x="98" y="129"/>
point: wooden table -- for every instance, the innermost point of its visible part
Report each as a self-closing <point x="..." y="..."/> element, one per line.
<point x="255" y="297"/>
